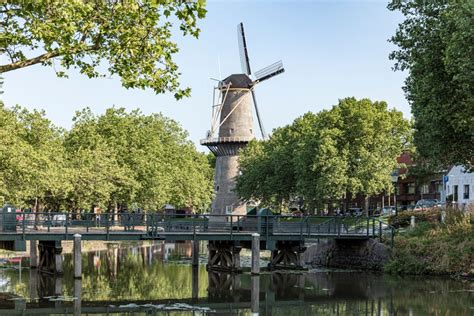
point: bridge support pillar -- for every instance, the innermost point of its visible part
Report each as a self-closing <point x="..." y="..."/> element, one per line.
<point x="33" y="254"/>
<point x="224" y="256"/>
<point x="287" y="255"/>
<point x="50" y="257"/>
<point x="77" y="256"/>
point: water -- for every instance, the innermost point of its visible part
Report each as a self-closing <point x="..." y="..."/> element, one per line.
<point x="159" y="280"/>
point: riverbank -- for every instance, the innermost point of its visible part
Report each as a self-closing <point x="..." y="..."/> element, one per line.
<point x="432" y="247"/>
<point x="435" y="248"/>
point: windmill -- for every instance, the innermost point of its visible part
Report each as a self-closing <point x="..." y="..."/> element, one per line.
<point x="232" y="126"/>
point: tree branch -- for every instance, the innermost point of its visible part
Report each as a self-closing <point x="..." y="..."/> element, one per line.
<point x="28" y="62"/>
<point x="39" y="59"/>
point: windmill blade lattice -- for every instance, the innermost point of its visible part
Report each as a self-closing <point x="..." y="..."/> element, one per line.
<point x="269" y="71"/>
<point x="244" y="55"/>
<point x="260" y="123"/>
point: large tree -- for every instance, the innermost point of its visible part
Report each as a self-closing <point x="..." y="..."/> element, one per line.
<point x="131" y="39"/>
<point x="147" y="161"/>
<point x="435" y="47"/>
<point x="351" y="148"/>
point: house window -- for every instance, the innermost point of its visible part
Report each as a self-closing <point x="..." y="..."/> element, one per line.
<point x="439" y="187"/>
<point x="411" y="188"/>
<point x="466" y="192"/>
<point x="425" y="189"/>
<point x="455" y="193"/>
<point x="229" y="209"/>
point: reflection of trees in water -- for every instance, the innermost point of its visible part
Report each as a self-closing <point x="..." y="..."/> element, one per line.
<point x="120" y="273"/>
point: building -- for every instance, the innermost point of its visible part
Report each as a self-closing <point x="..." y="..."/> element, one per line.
<point x="460" y="186"/>
<point x="408" y="188"/>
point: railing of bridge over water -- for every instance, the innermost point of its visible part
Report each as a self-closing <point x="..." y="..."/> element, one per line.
<point x="154" y="224"/>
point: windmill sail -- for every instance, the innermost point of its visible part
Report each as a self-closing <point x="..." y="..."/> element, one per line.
<point x="260" y="123"/>
<point x="244" y="56"/>
<point x="269" y="71"/>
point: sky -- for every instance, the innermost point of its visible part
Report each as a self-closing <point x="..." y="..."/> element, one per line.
<point x="330" y="50"/>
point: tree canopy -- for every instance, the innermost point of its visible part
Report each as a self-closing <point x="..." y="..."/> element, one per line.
<point x="433" y="45"/>
<point x="117" y="160"/>
<point x="131" y="39"/>
<point x="320" y="157"/>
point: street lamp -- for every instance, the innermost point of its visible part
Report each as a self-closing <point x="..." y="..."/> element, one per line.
<point x="394" y="177"/>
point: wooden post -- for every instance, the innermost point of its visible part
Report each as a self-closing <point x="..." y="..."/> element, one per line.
<point x="77" y="257"/>
<point x="58" y="258"/>
<point x="77" y="295"/>
<point x="255" y="294"/>
<point x="33" y="254"/>
<point x="255" y="253"/>
<point x="412" y="221"/>
<point x="195" y="253"/>
<point x="195" y="283"/>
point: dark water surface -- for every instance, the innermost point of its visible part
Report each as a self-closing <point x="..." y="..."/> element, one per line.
<point x="157" y="279"/>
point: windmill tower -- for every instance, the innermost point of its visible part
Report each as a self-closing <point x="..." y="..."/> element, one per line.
<point x="232" y="126"/>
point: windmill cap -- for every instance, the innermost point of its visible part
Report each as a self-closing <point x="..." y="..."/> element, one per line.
<point x="239" y="81"/>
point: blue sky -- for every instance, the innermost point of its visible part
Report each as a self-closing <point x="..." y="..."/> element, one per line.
<point x="330" y="49"/>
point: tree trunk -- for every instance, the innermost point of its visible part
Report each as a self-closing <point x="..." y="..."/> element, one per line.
<point x="330" y="207"/>
<point x="366" y="207"/>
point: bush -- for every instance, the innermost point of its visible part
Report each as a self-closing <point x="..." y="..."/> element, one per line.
<point x="403" y="218"/>
<point x="433" y="247"/>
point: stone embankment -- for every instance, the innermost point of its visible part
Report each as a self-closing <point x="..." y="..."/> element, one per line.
<point x="348" y="254"/>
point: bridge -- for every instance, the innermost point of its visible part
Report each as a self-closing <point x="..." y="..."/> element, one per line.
<point x="283" y="235"/>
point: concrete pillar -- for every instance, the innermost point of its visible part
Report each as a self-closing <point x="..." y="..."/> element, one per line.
<point x="195" y="253"/>
<point x="77" y="256"/>
<point x="77" y="295"/>
<point x="255" y="253"/>
<point x="33" y="254"/>
<point x="412" y="221"/>
<point x="255" y="294"/>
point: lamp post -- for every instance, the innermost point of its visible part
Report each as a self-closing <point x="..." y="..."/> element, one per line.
<point x="394" y="177"/>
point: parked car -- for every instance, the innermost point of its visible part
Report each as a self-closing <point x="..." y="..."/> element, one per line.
<point x="58" y="220"/>
<point x="426" y="204"/>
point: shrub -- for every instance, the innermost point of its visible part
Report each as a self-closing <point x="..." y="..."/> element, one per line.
<point x="403" y="218"/>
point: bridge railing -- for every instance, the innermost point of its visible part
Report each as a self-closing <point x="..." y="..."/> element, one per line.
<point x="155" y="223"/>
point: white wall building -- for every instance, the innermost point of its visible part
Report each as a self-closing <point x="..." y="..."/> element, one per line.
<point x="460" y="184"/>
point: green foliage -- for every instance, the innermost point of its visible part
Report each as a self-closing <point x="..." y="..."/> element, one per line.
<point x="132" y="38"/>
<point x="434" y="47"/>
<point x="403" y="218"/>
<point x="351" y="148"/>
<point x="112" y="161"/>
<point x="436" y="248"/>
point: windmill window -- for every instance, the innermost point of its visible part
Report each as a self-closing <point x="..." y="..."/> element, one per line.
<point x="251" y="131"/>
<point x="217" y="188"/>
<point x="231" y="131"/>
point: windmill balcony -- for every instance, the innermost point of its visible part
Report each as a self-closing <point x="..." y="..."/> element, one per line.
<point x="219" y="140"/>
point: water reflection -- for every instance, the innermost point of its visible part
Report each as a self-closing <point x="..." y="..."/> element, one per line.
<point x="158" y="277"/>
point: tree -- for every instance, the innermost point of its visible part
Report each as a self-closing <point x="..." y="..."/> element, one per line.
<point x="147" y="161"/>
<point x="434" y="47"/>
<point x="132" y="39"/>
<point x="319" y="157"/>
<point x="320" y="163"/>
<point x="371" y="137"/>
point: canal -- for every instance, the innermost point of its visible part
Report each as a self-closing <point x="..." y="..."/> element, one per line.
<point x="158" y="279"/>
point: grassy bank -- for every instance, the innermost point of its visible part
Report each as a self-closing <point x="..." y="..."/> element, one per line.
<point x="433" y="247"/>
